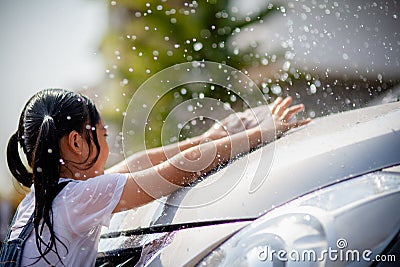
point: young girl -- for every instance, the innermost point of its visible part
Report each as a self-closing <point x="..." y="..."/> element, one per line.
<point x="71" y="198"/>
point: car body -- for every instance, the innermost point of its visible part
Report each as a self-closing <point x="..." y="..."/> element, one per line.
<point x="333" y="185"/>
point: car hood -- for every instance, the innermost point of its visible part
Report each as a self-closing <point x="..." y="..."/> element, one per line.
<point x="328" y="150"/>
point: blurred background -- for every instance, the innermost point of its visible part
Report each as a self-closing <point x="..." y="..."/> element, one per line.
<point x="43" y="44"/>
<point x="331" y="55"/>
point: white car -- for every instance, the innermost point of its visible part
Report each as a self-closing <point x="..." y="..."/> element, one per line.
<point x="330" y="197"/>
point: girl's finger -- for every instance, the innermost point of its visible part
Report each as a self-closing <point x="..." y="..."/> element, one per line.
<point x="277" y="101"/>
<point x="282" y="107"/>
<point x="286" y="102"/>
<point x="279" y="111"/>
<point x="290" y="112"/>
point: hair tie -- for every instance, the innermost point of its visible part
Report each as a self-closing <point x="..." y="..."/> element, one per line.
<point x="48" y="117"/>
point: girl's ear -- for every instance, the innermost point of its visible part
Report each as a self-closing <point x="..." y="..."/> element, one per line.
<point x="72" y="143"/>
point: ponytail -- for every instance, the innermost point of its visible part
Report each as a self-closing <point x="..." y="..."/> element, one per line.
<point x="15" y="164"/>
<point x="46" y="173"/>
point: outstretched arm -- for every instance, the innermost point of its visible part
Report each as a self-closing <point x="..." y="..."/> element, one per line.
<point x="233" y="124"/>
<point x="185" y="167"/>
<point x="182" y="169"/>
<point x="148" y="158"/>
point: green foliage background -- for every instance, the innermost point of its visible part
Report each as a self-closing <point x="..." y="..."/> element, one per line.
<point x="145" y="37"/>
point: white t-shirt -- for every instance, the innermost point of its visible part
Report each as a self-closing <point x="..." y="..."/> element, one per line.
<point x="79" y="212"/>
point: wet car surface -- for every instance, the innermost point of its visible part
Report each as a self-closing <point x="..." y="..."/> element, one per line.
<point x="345" y="151"/>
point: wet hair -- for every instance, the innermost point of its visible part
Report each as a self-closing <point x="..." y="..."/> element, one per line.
<point x="48" y="116"/>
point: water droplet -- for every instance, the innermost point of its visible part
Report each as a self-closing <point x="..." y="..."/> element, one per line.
<point x="227" y="106"/>
<point x="264" y="61"/>
<point x="276" y="89"/>
<point x="313" y="89"/>
<point x="286" y="66"/>
<point x="197" y="46"/>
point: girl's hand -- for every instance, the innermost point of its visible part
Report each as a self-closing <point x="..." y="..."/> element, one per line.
<point x="282" y="116"/>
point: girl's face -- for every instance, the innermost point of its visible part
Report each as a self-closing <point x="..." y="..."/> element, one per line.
<point x="99" y="166"/>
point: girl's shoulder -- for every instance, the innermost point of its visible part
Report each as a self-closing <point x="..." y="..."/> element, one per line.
<point x="84" y="204"/>
<point x="87" y="189"/>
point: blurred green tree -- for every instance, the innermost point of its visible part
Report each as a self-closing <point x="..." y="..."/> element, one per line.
<point x="145" y="37"/>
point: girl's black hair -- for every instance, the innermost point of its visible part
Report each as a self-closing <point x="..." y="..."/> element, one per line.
<point x="48" y="116"/>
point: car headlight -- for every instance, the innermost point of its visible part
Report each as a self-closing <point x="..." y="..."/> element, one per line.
<point x="351" y="221"/>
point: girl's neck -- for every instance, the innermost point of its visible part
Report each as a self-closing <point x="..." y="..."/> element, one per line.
<point x="76" y="174"/>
